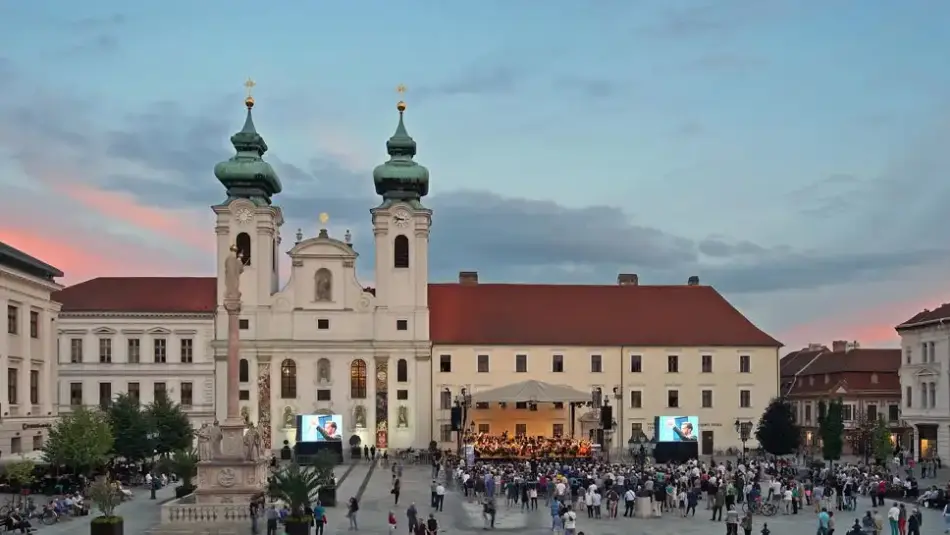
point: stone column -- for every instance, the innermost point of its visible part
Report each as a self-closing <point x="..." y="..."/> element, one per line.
<point x="50" y="361"/>
<point x="23" y="394"/>
<point x="233" y="306"/>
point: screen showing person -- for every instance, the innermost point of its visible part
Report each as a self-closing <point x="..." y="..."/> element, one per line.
<point x="679" y="428"/>
<point x="321" y="427"/>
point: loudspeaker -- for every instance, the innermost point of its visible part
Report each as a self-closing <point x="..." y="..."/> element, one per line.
<point x="607" y="417"/>
<point x="456" y="418"/>
<point x="599" y="437"/>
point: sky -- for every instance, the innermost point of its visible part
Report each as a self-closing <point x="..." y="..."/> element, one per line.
<point x="792" y="154"/>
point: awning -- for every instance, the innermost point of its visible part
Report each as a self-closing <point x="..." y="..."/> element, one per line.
<point x="529" y="391"/>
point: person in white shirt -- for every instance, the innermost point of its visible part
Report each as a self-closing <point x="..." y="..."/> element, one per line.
<point x="589" y="502"/>
<point x="629" y="499"/>
<point x="893" y="516"/>
<point x="439" y="497"/>
<point x="596" y="499"/>
<point x="570" y="522"/>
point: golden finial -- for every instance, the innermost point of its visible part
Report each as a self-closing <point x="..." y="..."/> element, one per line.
<point x="401" y="105"/>
<point x="249" y="99"/>
<point x="324" y="217"/>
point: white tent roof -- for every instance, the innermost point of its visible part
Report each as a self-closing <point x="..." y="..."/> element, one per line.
<point x="536" y="391"/>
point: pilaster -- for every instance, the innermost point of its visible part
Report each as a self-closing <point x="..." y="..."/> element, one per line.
<point x="264" y="400"/>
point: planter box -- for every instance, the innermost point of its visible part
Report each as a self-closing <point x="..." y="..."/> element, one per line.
<point x="297" y="528"/>
<point x="327" y="497"/>
<point x="106" y="528"/>
<point x="184" y="490"/>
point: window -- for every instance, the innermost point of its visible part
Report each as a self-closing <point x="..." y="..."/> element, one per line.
<point x="672" y="364"/>
<point x="745" y="364"/>
<point x="187" y="350"/>
<point x="871" y="412"/>
<point x="933" y="395"/>
<point x="75" y="394"/>
<point x="874" y="379"/>
<point x="557" y="430"/>
<point x="288" y="379"/>
<point x="636" y="399"/>
<point x="244" y="372"/>
<point x="75" y="350"/>
<point x="105" y="395"/>
<point x="244" y="395"/>
<point x="673" y="398"/>
<point x="244" y="324"/>
<point x="636" y="428"/>
<point x="558" y="405"/>
<point x="636" y="364"/>
<point x="445" y="432"/>
<point x="521" y="430"/>
<point x="808" y="413"/>
<point x="596" y="364"/>
<point x="323" y="394"/>
<point x="402" y="371"/>
<point x="37" y="442"/>
<point x="933" y="354"/>
<point x="12" y="316"/>
<point x="847" y="412"/>
<point x="707" y="399"/>
<point x="445" y="400"/>
<point x="909" y="396"/>
<point x="135" y="350"/>
<point x="557" y="363"/>
<point x="445" y="363"/>
<point x="893" y="413"/>
<point x="105" y="350"/>
<point x="908" y="354"/>
<point x="323" y="324"/>
<point x="402" y="395"/>
<point x="482" y="364"/>
<point x="34" y="324"/>
<point x="16" y="445"/>
<point x="745" y="399"/>
<point x="481" y="405"/>
<point x="484" y="428"/>
<point x="187" y="393"/>
<point x="12" y="374"/>
<point x="243" y="243"/>
<point x="159" y="391"/>
<point x="401" y="252"/>
<point x="521" y="405"/>
<point x="358" y="379"/>
<point x="402" y="325"/>
<point x="35" y="387"/>
<point x="160" y="350"/>
<point x="135" y="392"/>
<point x="707" y="363"/>
<point x="521" y="363"/>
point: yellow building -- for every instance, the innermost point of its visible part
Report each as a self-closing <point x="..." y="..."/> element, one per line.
<point x="651" y="350"/>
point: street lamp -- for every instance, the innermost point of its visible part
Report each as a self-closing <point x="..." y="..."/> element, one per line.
<point x="743" y="428"/>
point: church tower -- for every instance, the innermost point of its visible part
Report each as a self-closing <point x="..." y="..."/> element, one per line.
<point x="401" y="229"/>
<point x="247" y="218"/>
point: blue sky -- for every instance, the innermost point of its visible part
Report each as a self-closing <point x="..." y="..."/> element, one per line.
<point x="792" y="154"/>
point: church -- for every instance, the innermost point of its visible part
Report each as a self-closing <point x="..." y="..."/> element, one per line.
<point x="393" y="360"/>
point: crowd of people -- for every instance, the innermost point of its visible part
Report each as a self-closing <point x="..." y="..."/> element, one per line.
<point x="508" y="447"/>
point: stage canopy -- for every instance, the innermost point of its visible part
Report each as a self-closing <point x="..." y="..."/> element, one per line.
<point x="535" y="391"/>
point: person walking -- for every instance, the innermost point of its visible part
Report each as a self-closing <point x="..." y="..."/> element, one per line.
<point x="352" y="507"/>
<point x="732" y="521"/>
<point x="747" y="523"/>
<point x="893" y="517"/>
<point x="397" y="488"/>
<point x="412" y="517"/>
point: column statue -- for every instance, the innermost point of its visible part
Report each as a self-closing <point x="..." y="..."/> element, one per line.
<point x="233" y="268"/>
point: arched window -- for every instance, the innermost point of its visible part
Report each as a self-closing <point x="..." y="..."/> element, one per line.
<point x="243" y="372"/>
<point x="288" y="379"/>
<point x="401" y="252"/>
<point x="243" y="243"/>
<point x="402" y="371"/>
<point x="358" y="379"/>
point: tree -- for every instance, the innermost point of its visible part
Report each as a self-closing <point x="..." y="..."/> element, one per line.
<point x="171" y="426"/>
<point x="859" y="436"/>
<point x="80" y="440"/>
<point x="130" y="429"/>
<point x="21" y="473"/>
<point x="831" y="429"/>
<point x="777" y="432"/>
<point x="881" y="446"/>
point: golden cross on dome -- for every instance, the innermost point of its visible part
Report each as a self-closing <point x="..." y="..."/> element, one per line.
<point x="324" y="217"/>
<point x="249" y="85"/>
<point x="401" y="89"/>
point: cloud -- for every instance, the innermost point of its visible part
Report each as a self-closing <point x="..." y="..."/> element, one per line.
<point x="712" y="18"/>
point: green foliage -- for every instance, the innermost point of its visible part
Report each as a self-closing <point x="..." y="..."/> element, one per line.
<point x="105" y="495"/>
<point x="881" y="446"/>
<point x="184" y="464"/>
<point x="777" y="432"/>
<point x="130" y="428"/>
<point x="171" y="425"/>
<point x="831" y="429"/>
<point x="20" y="472"/>
<point x="80" y="440"/>
<point x="294" y="485"/>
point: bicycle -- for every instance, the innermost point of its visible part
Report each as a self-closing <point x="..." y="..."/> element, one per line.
<point x="759" y="507"/>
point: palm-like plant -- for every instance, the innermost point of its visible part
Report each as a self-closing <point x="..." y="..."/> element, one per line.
<point x="184" y="464"/>
<point x="295" y="485"/>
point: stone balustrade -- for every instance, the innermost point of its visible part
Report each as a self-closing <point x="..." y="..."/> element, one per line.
<point x="186" y="511"/>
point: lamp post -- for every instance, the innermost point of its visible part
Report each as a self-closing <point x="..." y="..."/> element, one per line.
<point x="743" y="428"/>
<point x="464" y="402"/>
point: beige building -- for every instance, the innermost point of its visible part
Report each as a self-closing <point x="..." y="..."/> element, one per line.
<point x="652" y="350"/>
<point x="27" y="350"/>
<point x="123" y="335"/>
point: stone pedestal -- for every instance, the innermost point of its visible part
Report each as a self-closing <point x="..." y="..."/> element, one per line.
<point x="229" y="477"/>
<point x="643" y="508"/>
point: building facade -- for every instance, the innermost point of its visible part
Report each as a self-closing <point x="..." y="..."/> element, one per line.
<point x="866" y="381"/>
<point x="27" y="350"/>
<point x="125" y="336"/>
<point x="924" y="375"/>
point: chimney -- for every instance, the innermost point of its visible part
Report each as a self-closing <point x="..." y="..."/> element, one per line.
<point x="628" y="279"/>
<point x="839" y="346"/>
<point x="693" y="281"/>
<point x="468" y="278"/>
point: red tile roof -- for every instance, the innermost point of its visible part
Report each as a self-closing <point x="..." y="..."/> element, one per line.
<point x="819" y="362"/>
<point x="141" y="294"/>
<point x="494" y="314"/>
<point x="925" y="317"/>
<point x="532" y="314"/>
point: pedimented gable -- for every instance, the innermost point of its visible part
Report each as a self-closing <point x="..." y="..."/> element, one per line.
<point x="926" y="372"/>
<point x="841" y="390"/>
<point x="158" y="330"/>
<point x="104" y="330"/>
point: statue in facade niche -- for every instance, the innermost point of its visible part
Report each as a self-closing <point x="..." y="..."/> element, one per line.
<point x="402" y="419"/>
<point x="359" y="416"/>
<point x="233" y="268"/>
<point x="290" y="419"/>
<point x="323" y="371"/>
<point x="324" y="284"/>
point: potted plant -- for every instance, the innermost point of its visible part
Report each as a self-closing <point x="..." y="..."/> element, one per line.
<point x="105" y="496"/>
<point x="294" y="485"/>
<point x="184" y="464"/>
